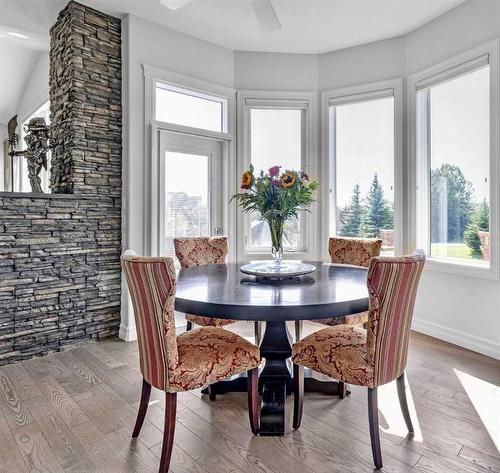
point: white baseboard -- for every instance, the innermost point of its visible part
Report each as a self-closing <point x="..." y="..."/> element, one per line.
<point x="127" y="333"/>
<point x="465" y="340"/>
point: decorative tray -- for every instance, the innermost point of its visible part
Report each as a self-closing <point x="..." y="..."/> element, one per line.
<point x="269" y="270"/>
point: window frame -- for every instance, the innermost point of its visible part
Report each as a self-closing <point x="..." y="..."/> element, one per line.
<point x="277" y="100"/>
<point x="419" y="162"/>
<point x="364" y="92"/>
<point x="152" y="137"/>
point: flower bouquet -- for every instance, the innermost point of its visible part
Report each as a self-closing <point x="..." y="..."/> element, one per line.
<point x="276" y="197"/>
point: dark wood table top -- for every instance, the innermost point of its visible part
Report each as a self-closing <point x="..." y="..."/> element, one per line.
<point x="223" y="291"/>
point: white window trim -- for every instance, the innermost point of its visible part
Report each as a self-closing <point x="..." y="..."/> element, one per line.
<point x="355" y="94"/>
<point x="415" y="169"/>
<point x="306" y="101"/>
<point x="152" y="128"/>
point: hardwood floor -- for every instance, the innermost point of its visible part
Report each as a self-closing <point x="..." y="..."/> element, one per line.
<point x="74" y="412"/>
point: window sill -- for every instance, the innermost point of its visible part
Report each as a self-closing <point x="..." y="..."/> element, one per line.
<point x="460" y="268"/>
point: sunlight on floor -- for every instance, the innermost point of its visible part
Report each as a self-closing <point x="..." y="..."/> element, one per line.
<point x="485" y="402"/>
<point x="388" y="404"/>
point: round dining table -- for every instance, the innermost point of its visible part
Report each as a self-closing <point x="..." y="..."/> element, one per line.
<point x="223" y="291"/>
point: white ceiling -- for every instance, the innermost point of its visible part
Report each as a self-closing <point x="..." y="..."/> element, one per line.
<point x="308" y="26"/>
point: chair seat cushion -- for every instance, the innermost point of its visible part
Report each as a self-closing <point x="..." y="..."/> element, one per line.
<point x="208" y="321"/>
<point x="339" y="352"/>
<point x="209" y="354"/>
<point x="352" y="319"/>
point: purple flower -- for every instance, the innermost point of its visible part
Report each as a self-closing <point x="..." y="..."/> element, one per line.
<point x="274" y="171"/>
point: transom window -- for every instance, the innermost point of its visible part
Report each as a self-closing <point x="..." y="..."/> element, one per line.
<point x="189" y="108"/>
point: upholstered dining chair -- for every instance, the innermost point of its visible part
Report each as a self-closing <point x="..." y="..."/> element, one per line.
<point x="356" y="252"/>
<point x="371" y="357"/>
<point x="197" y="251"/>
<point x="180" y="363"/>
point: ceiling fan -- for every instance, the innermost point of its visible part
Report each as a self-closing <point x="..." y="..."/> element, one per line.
<point x="263" y="9"/>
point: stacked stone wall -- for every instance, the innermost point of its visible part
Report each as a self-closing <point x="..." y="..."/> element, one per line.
<point x="60" y="253"/>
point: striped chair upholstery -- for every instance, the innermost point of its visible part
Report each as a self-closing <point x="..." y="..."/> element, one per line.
<point x="188" y="361"/>
<point x="196" y="252"/>
<point x="185" y="362"/>
<point x="392" y="283"/>
<point x="378" y="355"/>
<point x="356" y="252"/>
<point x="151" y="283"/>
<point x="371" y="357"/>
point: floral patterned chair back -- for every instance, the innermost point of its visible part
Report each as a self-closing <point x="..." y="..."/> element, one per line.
<point x="392" y="284"/>
<point x="355" y="251"/>
<point x="199" y="251"/>
<point x="151" y="282"/>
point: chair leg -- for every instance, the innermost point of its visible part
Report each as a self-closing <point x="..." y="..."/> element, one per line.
<point x="298" y="394"/>
<point x="342" y="389"/>
<point x="374" y="427"/>
<point x="253" y="400"/>
<point x="189" y="326"/>
<point x="298" y="330"/>
<point x="257" y="331"/>
<point x="143" y="407"/>
<point x="168" y="432"/>
<point x="211" y="392"/>
<point x="403" y="402"/>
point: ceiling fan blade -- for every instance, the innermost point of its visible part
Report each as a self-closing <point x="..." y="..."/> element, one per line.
<point x="265" y="13"/>
<point x="174" y="4"/>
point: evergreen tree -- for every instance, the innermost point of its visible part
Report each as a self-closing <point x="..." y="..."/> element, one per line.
<point x="379" y="212"/>
<point x="480" y="221"/>
<point x="352" y="215"/>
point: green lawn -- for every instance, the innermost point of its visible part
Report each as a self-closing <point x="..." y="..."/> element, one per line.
<point x="451" y="250"/>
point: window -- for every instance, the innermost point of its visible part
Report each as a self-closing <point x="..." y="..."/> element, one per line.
<point x="453" y="148"/>
<point x="191" y="109"/>
<point x="362" y="138"/>
<point x="275" y="129"/>
<point x="190" y="157"/>
<point x="190" y="204"/>
<point x="276" y="139"/>
<point x="21" y="180"/>
<point x="186" y="197"/>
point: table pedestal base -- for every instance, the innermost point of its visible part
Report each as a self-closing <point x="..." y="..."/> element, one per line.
<point x="275" y="380"/>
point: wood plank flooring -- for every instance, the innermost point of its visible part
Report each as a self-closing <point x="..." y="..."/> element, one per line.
<point x="73" y="412"/>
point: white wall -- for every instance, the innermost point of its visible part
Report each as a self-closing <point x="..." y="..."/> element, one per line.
<point x="460" y="309"/>
<point x="275" y="71"/>
<point x="148" y="43"/>
<point x="36" y="90"/>
<point x="17" y="63"/>
<point x="362" y="64"/>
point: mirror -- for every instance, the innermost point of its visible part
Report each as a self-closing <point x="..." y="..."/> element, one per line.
<point x="24" y="99"/>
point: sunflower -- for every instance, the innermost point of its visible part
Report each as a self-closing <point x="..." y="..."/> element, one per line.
<point x="246" y="180"/>
<point x="288" y="179"/>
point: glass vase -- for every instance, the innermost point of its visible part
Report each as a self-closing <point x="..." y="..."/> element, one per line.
<point x="276" y="228"/>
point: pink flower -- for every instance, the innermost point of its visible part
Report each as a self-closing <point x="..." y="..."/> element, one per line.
<point x="274" y="171"/>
